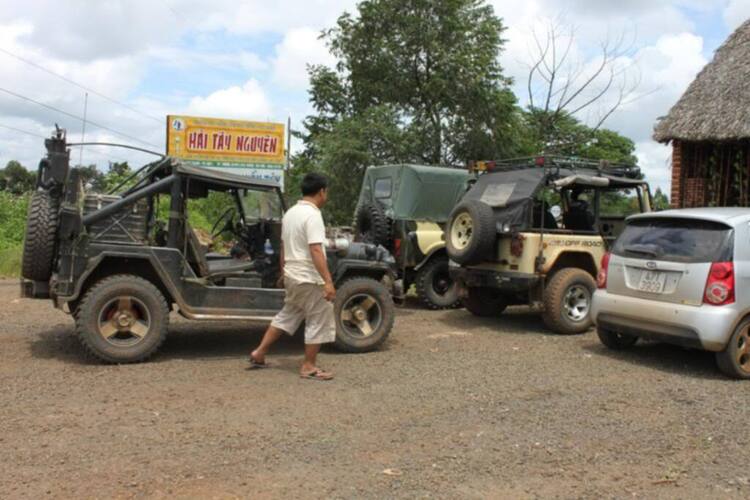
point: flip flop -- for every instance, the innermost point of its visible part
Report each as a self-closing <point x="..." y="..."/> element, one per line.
<point x="317" y="374"/>
<point x="256" y="365"/>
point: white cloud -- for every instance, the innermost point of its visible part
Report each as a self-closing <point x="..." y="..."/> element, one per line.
<point x="247" y="102"/>
<point x="84" y="30"/>
<point x="261" y="16"/>
<point x="299" y="48"/>
<point x="736" y="13"/>
<point x="654" y="160"/>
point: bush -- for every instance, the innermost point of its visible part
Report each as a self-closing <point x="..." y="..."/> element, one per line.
<point x="13" y="209"/>
<point x="10" y="262"/>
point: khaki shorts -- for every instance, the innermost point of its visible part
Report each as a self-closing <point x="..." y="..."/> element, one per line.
<point x="305" y="302"/>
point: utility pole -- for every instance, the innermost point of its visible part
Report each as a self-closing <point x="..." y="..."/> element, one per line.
<point x="83" y="130"/>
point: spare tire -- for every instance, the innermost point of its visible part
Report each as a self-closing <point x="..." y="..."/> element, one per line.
<point x="371" y="224"/>
<point x="39" y="242"/>
<point x="471" y="232"/>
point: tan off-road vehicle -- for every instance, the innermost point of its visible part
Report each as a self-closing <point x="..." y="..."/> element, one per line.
<point x="533" y="231"/>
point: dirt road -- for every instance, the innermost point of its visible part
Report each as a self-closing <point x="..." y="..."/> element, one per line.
<point x="453" y="406"/>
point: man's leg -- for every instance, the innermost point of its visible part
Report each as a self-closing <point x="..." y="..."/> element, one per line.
<point x="272" y="335"/>
<point x="320" y="329"/>
<point x="311" y="356"/>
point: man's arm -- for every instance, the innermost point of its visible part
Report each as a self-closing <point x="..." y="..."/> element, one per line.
<point x="321" y="264"/>
<point x="280" y="281"/>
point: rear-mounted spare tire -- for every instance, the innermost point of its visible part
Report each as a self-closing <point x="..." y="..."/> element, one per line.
<point x="471" y="232"/>
<point x="372" y="225"/>
<point x="41" y="232"/>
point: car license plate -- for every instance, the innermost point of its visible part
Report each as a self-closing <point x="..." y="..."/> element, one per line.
<point x="652" y="282"/>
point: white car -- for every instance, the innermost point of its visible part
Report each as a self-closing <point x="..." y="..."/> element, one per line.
<point x="681" y="277"/>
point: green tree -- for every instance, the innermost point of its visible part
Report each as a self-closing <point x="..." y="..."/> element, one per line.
<point x="569" y="137"/>
<point x="91" y="176"/>
<point x="661" y="202"/>
<point x="16" y="179"/>
<point x="415" y="81"/>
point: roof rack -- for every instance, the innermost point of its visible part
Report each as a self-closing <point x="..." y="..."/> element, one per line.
<point x="570" y="162"/>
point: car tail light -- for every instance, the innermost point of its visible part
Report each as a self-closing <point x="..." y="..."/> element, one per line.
<point x="396" y="247"/>
<point x="720" y="284"/>
<point x="601" y="278"/>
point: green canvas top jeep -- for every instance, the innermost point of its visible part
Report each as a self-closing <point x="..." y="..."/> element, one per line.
<point x="533" y="231"/>
<point x="405" y="208"/>
<point x="119" y="263"/>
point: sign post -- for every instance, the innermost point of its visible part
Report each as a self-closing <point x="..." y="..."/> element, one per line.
<point x="255" y="149"/>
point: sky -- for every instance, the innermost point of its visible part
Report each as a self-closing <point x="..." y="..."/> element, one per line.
<point x="140" y="60"/>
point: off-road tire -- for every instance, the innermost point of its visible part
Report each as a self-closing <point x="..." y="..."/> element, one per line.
<point x="96" y="298"/>
<point x="371" y="224"/>
<point x="425" y="284"/>
<point x="483" y="233"/>
<point x="40" y="238"/>
<point x="484" y="302"/>
<point x="614" y="340"/>
<point x="345" y="340"/>
<point x="554" y="315"/>
<point x="727" y="359"/>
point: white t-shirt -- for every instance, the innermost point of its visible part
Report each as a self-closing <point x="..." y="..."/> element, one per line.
<point x="301" y="227"/>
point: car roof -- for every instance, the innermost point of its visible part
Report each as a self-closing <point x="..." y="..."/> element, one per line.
<point x="224" y="178"/>
<point x="727" y="215"/>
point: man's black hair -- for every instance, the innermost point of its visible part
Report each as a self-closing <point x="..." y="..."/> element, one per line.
<point x="312" y="183"/>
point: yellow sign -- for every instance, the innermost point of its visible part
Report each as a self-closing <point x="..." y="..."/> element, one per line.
<point x="225" y="142"/>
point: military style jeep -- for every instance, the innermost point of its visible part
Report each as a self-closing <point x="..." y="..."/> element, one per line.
<point x="120" y="263"/>
<point x="405" y="208"/>
<point x="533" y="231"/>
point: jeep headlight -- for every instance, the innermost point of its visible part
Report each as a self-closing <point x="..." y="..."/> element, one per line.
<point x="506" y="227"/>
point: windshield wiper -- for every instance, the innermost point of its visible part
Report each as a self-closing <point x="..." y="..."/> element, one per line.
<point x="651" y="250"/>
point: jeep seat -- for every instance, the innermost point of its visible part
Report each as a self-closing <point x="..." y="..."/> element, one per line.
<point x="214" y="268"/>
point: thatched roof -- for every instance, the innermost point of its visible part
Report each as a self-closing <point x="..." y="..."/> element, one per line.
<point x="716" y="106"/>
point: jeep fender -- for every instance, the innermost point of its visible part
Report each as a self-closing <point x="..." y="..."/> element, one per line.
<point x="166" y="284"/>
<point x="430" y="239"/>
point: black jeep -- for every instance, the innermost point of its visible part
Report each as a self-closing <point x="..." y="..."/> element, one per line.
<point x="119" y="263"/>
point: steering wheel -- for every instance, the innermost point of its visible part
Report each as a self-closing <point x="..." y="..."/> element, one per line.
<point x="226" y="218"/>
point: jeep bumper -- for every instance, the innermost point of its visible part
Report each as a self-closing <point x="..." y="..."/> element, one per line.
<point x="507" y="281"/>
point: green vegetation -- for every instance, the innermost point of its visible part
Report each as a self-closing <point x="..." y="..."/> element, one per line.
<point x="415" y="81"/>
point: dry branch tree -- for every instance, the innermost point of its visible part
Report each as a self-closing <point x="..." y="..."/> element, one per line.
<point x="562" y="84"/>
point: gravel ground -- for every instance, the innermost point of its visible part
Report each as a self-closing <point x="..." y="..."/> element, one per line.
<point x="452" y="406"/>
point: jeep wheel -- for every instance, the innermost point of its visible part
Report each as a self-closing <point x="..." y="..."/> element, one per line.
<point x="734" y="360"/>
<point x="122" y="319"/>
<point x="435" y="287"/>
<point x="567" y="301"/>
<point x="471" y="233"/>
<point x="371" y="224"/>
<point x="614" y="340"/>
<point x="39" y="242"/>
<point x="485" y="302"/>
<point x="364" y="315"/>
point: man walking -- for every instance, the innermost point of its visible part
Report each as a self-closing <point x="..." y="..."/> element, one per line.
<point x="307" y="281"/>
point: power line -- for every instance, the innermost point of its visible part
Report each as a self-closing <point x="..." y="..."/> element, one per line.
<point x="22" y="131"/>
<point x="95" y="153"/>
<point x="76" y="117"/>
<point x="87" y="89"/>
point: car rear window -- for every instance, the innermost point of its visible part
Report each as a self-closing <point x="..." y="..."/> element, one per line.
<point x="383" y="188"/>
<point x="676" y="240"/>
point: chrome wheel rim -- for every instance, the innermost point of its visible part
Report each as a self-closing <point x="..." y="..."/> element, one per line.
<point x="577" y="302"/>
<point x="124" y="321"/>
<point x="742" y="350"/>
<point x="461" y="231"/>
<point x="361" y="315"/>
